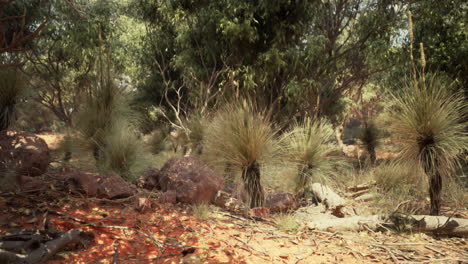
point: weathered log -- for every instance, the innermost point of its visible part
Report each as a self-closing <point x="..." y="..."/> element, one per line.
<point x="354" y="223"/>
<point x="327" y="196"/>
<point x="44" y="250"/>
<point x="418" y="223"/>
<point x="434" y="224"/>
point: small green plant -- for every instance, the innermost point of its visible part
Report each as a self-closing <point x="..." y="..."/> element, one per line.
<point x="242" y="137"/>
<point x="307" y="145"/>
<point x="11" y="87"/>
<point x="201" y="211"/>
<point x="286" y="222"/>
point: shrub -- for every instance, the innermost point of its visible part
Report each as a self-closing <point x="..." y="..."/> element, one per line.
<point x="157" y="141"/>
<point x="307" y="145"/>
<point x="429" y="123"/>
<point x="286" y="222"/>
<point x="11" y="87"/>
<point x="123" y="153"/>
<point x="201" y="211"/>
<point x="241" y="137"/>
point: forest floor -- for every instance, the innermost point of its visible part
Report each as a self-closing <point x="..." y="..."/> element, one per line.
<point x="169" y="233"/>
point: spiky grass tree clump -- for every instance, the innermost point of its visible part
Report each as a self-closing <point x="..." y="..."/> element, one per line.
<point x="11" y="86"/>
<point x="430" y="124"/>
<point x="196" y="125"/>
<point x="307" y="145"/>
<point x="370" y="138"/>
<point x="242" y="137"/>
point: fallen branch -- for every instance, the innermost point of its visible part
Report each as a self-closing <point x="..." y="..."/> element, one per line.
<point x="43" y="251"/>
<point x="327" y="196"/>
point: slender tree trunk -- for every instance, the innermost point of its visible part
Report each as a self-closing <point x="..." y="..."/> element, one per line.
<point x="435" y="190"/>
<point x="251" y="177"/>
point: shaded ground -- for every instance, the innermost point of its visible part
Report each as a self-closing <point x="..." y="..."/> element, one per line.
<point x="171" y="234"/>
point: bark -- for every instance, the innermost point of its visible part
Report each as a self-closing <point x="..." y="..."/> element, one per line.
<point x="251" y="177"/>
<point x="327" y="196"/>
<point x="435" y="189"/>
<point x="372" y="155"/>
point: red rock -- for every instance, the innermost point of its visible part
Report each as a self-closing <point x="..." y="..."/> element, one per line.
<point x="261" y="212"/>
<point x="168" y="197"/>
<point x="112" y="186"/>
<point x="227" y="202"/>
<point x="150" y="179"/>
<point x="191" y="179"/>
<point x="32" y="184"/>
<point x="24" y="153"/>
<point x="281" y="202"/>
<point x="109" y="186"/>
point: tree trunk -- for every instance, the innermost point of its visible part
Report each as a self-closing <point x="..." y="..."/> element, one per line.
<point x="372" y="155"/>
<point x="251" y="177"/>
<point x="435" y="189"/>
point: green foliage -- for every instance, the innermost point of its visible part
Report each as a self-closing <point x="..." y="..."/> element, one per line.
<point x="157" y="141"/>
<point x="307" y="145"/>
<point x="11" y="87"/>
<point x="123" y="153"/>
<point x="241" y="137"/>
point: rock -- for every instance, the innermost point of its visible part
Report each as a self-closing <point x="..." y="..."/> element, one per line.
<point x="168" y="197"/>
<point x="24" y="153"/>
<point x="83" y="181"/>
<point x="112" y="186"/>
<point x="109" y="186"/>
<point x="281" y="202"/>
<point x="192" y="181"/>
<point x="261" y="212"/>
<point x="229" y="203"/>
<point x="150" y="179"/>
<point x="32" y="184"/>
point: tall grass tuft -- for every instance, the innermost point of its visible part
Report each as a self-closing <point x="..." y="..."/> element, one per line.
<point x="307" y="145"/>
<point x="241" y="137"/>
<point x="108" y="124"/>
<point x="11" y="87"/>
<point x="429" y="123"/>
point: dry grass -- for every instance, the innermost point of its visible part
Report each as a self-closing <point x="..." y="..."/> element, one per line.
<point x="287" y="223"/>
<point x="201" y="211"/>
<point x="241" y="138"/>
<point x="307" y="146"/>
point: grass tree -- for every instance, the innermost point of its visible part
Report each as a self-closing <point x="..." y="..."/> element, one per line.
<point x="11" y="86"/>
<point x="307" y="145"/>
<point x="242" y="137"/>
<point x="430" y="124"/>
<point x="370" y="138"/>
